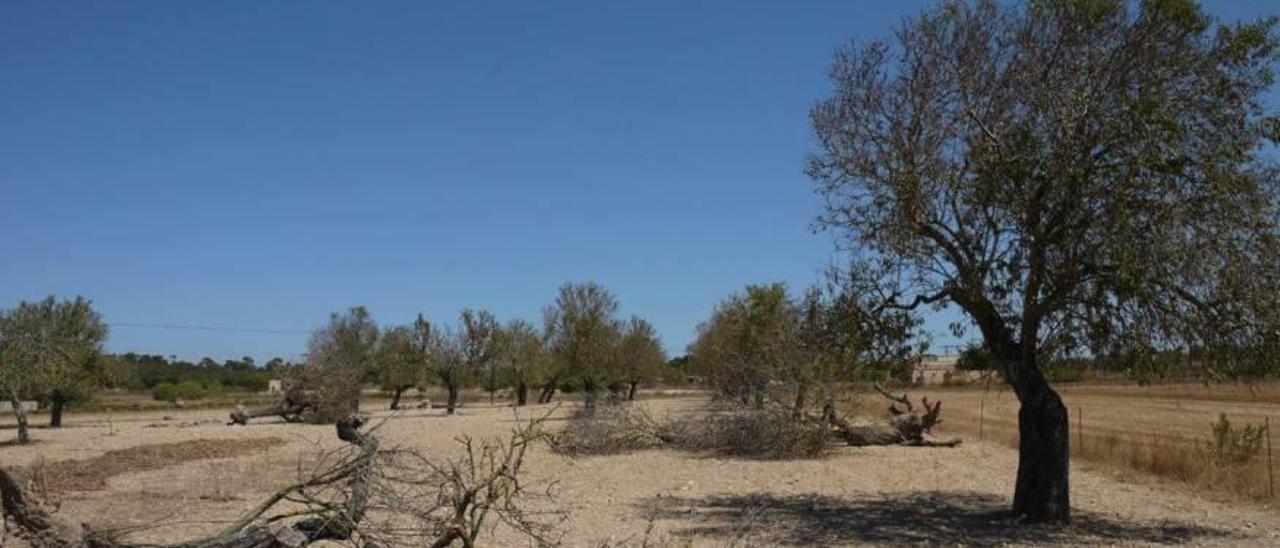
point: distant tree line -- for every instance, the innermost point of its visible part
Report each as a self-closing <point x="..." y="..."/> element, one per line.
<point x="134" y="371"/>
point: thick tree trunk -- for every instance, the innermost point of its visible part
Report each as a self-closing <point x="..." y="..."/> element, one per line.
<point x="548" y="391"/>
<point x="56" y="404"/>
<point x="453" y="398"/>
<point x="493" y="383"/>
<point x="20" y="413"/>
<point x="631" y="392"/>
<point x="522" y="394"/>
<point x="802" y="390"/>
<point x="1042" y="493"/>
<point x="395" y="398"/>
<point x="589" y="391"/>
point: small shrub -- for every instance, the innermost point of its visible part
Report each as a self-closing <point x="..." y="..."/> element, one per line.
<point x="1230" y="445"/>
<point x="164" y="392"/>
<point x="763" y="433"/>
<point x="255" y="382"/>
<point x="570" y="385"/>
<point x="190" y="390"/>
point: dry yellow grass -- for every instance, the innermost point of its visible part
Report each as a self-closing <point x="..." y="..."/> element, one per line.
<point x="1127" y="430"/>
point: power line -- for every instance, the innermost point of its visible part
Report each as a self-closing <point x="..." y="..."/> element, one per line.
<point x="207" y="328"/>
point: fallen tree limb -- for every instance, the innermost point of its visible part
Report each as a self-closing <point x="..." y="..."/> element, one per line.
<point x="905" y="425"/>
<point x="294" y="405"/>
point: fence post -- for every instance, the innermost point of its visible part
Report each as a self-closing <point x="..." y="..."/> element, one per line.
<point x="982" y="405"/>
<point x="1271" y="477"/>
<point x="1080" y="430"/>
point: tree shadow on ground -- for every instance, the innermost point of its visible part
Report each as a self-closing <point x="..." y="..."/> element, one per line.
<point x="941" y="518"/>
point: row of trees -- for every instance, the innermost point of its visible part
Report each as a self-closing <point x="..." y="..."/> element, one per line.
<point x="50" y="350"/>
<point x="582" y="338"/>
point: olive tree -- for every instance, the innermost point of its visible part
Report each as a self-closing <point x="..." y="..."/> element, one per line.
<point x="55" y="350"/>
<point x="582" y="333"/>
<point x="401" y="362"/>
<point x="1073" y="175"/>
<point x="640" y="353"/>
<point x="749" y="341"/>
<point x="446" y="351"/>
<point x="15" y="374"/>
<point x="479" y="332"/>
<point x="340" y="356"/>
<point x="521" y="354"/>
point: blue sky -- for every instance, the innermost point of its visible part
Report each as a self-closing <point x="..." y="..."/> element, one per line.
<point x="260" y="164"/>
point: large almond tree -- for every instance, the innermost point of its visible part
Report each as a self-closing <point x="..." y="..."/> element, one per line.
<point x="1075" y="176"/>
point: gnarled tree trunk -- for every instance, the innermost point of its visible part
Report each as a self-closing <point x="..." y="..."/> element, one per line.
<point x="20" y="413"/>
<point x="522" y="393"/>
<point x="802" y="391"/>
<point x="57" y="402"/>
<point x="452" y="403"/>
<point x="1042" y="493"/>
<point x="548" y="390"/>
<point x="395" y="397"/>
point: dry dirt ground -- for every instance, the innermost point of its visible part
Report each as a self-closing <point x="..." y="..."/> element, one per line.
<point x="856" y="496"/>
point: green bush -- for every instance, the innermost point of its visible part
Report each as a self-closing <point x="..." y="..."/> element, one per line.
<point x="1230" y="445"/>
<point x="165" y="392"/>
<point x="190" y="390"/>
<point x="571" y="385"/>
<point x="255" y="382"/>
<point x="185" y="390"/>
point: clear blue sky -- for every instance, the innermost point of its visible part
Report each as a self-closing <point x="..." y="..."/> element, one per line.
<point x="260" y="164"/>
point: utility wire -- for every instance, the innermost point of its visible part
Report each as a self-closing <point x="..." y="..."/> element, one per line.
<point x="206" y="328"/>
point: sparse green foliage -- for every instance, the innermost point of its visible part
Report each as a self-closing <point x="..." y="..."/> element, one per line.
<point x="582" y="332"/>
<point x="640" y="354"/>
<point x="479" y="335"/>
<point x="53" y="351"/>
<point x="1231" y="445"/>
<point x="521" y="354"/>
<point x="340" y="356"/>
<point x="749" y="341"/>
<point x="401" y="363"/>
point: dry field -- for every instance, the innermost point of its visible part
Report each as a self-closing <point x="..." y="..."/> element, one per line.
<point x="856" y="496"/>
<point x="1132" y="432"/>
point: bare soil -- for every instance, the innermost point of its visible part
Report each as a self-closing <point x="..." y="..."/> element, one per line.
<point x="856" y="496"/>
